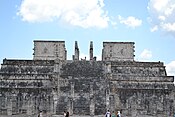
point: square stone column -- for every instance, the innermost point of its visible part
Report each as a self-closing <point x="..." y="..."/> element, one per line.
<point x="9" y="107"/>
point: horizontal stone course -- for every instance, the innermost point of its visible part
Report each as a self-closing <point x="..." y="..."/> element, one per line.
<point x="124" y="77"/>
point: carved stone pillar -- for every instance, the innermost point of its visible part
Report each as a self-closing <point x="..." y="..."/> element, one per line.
<point x="117" y="102"/>
<point x="91" y="51"/>
<point x="56" y="95"/>
<point x="107" y="67"/>
<point x="9" y="105"/>
<point x="92" y="102"/>
<point x="70" y="104"/>
<point x="55" y="101"/>
<point x="29" y="106"/>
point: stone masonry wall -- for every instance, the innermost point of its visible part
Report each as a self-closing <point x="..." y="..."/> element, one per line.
<point x="49" y="50"/>
<point x="142" y="89"/>
<point x="25" y="87"/>
<point x="86" y="88"/>
<point x="82" y="88"/>
<point x="118" y="51"/>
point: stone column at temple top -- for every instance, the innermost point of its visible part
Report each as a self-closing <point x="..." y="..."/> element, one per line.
<point x="76" y="56"/>
<point x="91" y="51"/>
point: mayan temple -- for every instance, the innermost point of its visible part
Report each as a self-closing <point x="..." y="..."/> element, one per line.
<point x="52" y="84"/>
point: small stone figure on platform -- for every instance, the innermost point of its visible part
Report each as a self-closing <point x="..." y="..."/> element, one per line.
<point x="108" y="114"/>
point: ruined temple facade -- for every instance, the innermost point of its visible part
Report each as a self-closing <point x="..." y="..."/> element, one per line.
<point x="53" y="84"/>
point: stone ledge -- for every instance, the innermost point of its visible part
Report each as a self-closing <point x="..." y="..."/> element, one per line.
<point x="116" y="77"/>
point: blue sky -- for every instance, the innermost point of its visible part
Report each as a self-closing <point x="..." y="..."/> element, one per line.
<point x="148" y="23"/>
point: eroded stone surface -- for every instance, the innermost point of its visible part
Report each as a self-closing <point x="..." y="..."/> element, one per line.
<point x="85" y="87"/>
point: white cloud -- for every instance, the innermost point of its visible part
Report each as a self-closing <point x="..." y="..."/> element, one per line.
<point x="146" y="55"/>
<point x="170" y="10"/>
<point x="169" y="27"/>
<point x="113" y="23"/>
<point x="162" y="18"/>
<point x="83" y="13"/>
<point x="159" y="4"/>
<point x="130" y="21"/>
<point x="170" y="67"/>
<point x="162" y="13"/>
<point x="153" y="29"/>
